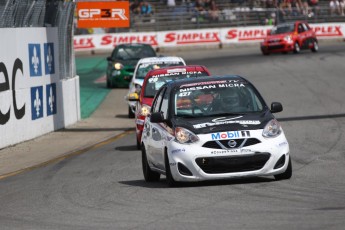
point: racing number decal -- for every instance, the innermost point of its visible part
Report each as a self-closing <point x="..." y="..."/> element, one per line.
<point x="184" y="94"/>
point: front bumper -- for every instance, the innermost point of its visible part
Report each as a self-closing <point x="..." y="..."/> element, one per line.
<point x="120" y="78"/>
<point x="139" y="126"/>
<point x="196" y="163"/>
<point x="277" y="47"/>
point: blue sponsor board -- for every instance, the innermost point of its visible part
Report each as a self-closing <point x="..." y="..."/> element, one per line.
<point x="51" y="99"/>
<point x="36" y="102"/>
<point x="35" y="61"/>
<point x="49" y="58"/>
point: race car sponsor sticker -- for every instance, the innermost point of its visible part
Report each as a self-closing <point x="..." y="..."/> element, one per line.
<point x="224" y="121"/>
<point x="211" y="85"/>
<point x="140" y="122"/>
<point x="220" y="152"/>
<point x="177" y="150"/>
<point x="229" y="135"/>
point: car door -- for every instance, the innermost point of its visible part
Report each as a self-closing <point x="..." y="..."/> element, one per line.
<point x="302" y="36"/>
<point x="309" y="34"/>
<point x="155" y="142"/>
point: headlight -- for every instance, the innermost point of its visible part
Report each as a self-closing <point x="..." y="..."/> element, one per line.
<point x="288" y="38"/>
<point x="118" y="66"/>
<point x="272" y="129"/>
<point x="184" y="136"/>
<point x="145" y="110"/>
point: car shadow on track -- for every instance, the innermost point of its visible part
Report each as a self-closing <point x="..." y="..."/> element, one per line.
<point x="126" y="148"/>
<point x="162" y="183"/>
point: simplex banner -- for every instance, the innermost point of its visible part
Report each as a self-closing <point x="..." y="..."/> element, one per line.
<point x="180" y="38"/>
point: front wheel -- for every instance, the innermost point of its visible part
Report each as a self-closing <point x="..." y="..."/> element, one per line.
<point x="297" y="48"/>
<point x="109" y="86"/>
<point x="170" y="180"/>
<point x="264" y="52"/>
<point x="138" y="144"/>
<point x="130" y="113"/>
<point x="315" y="47"/>
<point x="149" y="175"/>
<point x="287" y="174"/>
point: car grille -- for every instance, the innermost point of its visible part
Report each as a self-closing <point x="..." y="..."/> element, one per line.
<point x="224" y="144"/>
<point x="232" y="164"/>
<point x="276" y="47"/>
<point x="274" y="41"/>
<point x="131" y="70"/>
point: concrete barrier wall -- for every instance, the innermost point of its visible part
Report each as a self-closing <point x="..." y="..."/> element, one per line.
<point x="33" y="99"/>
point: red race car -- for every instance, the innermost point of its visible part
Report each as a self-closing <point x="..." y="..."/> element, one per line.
<point x="290" y="37"/>
<point x="154" y="79"/>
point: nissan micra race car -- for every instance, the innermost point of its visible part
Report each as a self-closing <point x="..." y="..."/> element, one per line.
<point x="213" y="128"/>
<point x="141" y="69"/>
<point x="153" y="81"/>
<point x="288" y="37"/>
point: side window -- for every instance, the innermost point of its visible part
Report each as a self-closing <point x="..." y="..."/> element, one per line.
<point x="114" y="53"/>
<point x="305" y="27"/>
<point x="157" y="102"/>
<point x="165" y="105"/>
<point x="300" y="28"/>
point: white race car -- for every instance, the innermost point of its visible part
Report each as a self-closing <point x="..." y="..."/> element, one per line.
<point x="213" y="128"/>
<point x="143" y="66"/>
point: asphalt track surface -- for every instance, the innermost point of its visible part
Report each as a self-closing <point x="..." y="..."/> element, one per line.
<point x="104" y="188"/>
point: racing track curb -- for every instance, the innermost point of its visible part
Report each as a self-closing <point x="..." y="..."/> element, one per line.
<point x="68" y="155"/>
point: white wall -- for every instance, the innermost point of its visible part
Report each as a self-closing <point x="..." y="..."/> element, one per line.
<point x="33" y="98"/>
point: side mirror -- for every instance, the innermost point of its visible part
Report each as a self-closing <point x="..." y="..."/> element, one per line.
<point x="133" y="97"/>
<point x="156" y="117"/>
<point x="276" y="107"/>
<point x="109" y="59"/>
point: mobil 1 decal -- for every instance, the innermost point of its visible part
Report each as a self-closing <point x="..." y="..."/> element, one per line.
<point x="35" y="61"/>
<point x="36" y="102"/>
<point x="51" y="99"/>
<point x="49" y="58"/>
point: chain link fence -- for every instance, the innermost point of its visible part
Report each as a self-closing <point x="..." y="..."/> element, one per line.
<point x="44" y="13"/>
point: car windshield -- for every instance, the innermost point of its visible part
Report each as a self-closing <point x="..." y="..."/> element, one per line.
<point x="156" y="81"/>
<point x="144" y="68"/>
<point x="219" y="98"/>
<point x="282" y="29"/>
<point x="133" y="52"/>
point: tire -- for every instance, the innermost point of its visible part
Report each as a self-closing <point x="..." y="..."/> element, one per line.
<point x="315" y="47"/>
<point x="149" y="175"/>
<point x="287" y="174"/>
<point x="138" y="144"/>
<point x="109" y="86"/>
<point x="169" y="178"/>
<point x="264" y="52"/>
<point x="130" y="113"/>
<point x="297" y="48"/>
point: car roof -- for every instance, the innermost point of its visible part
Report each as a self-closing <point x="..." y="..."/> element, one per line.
<point x="213" y="78"/>
<point x="133" y="44"/>
<point x="158" y="59"/>
<point x="291" y="23"/>
<point x="177" y="69"/>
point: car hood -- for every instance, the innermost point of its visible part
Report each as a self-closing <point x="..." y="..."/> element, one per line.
<point x="127" y="63"/>
<point x="277" y="36"/>
<point x="214" y="124"/>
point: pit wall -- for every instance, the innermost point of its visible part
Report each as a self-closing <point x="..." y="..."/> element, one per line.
<point x="34" y="98"/>
<point x="201" y="37"/>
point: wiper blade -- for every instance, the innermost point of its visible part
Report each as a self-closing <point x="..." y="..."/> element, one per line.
<point x="227" y="114"/>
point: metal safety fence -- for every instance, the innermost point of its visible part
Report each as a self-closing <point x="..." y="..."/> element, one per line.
<point x="44" y="13"/>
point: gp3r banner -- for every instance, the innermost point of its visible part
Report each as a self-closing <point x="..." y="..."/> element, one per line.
<point x="103" y="14"/>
